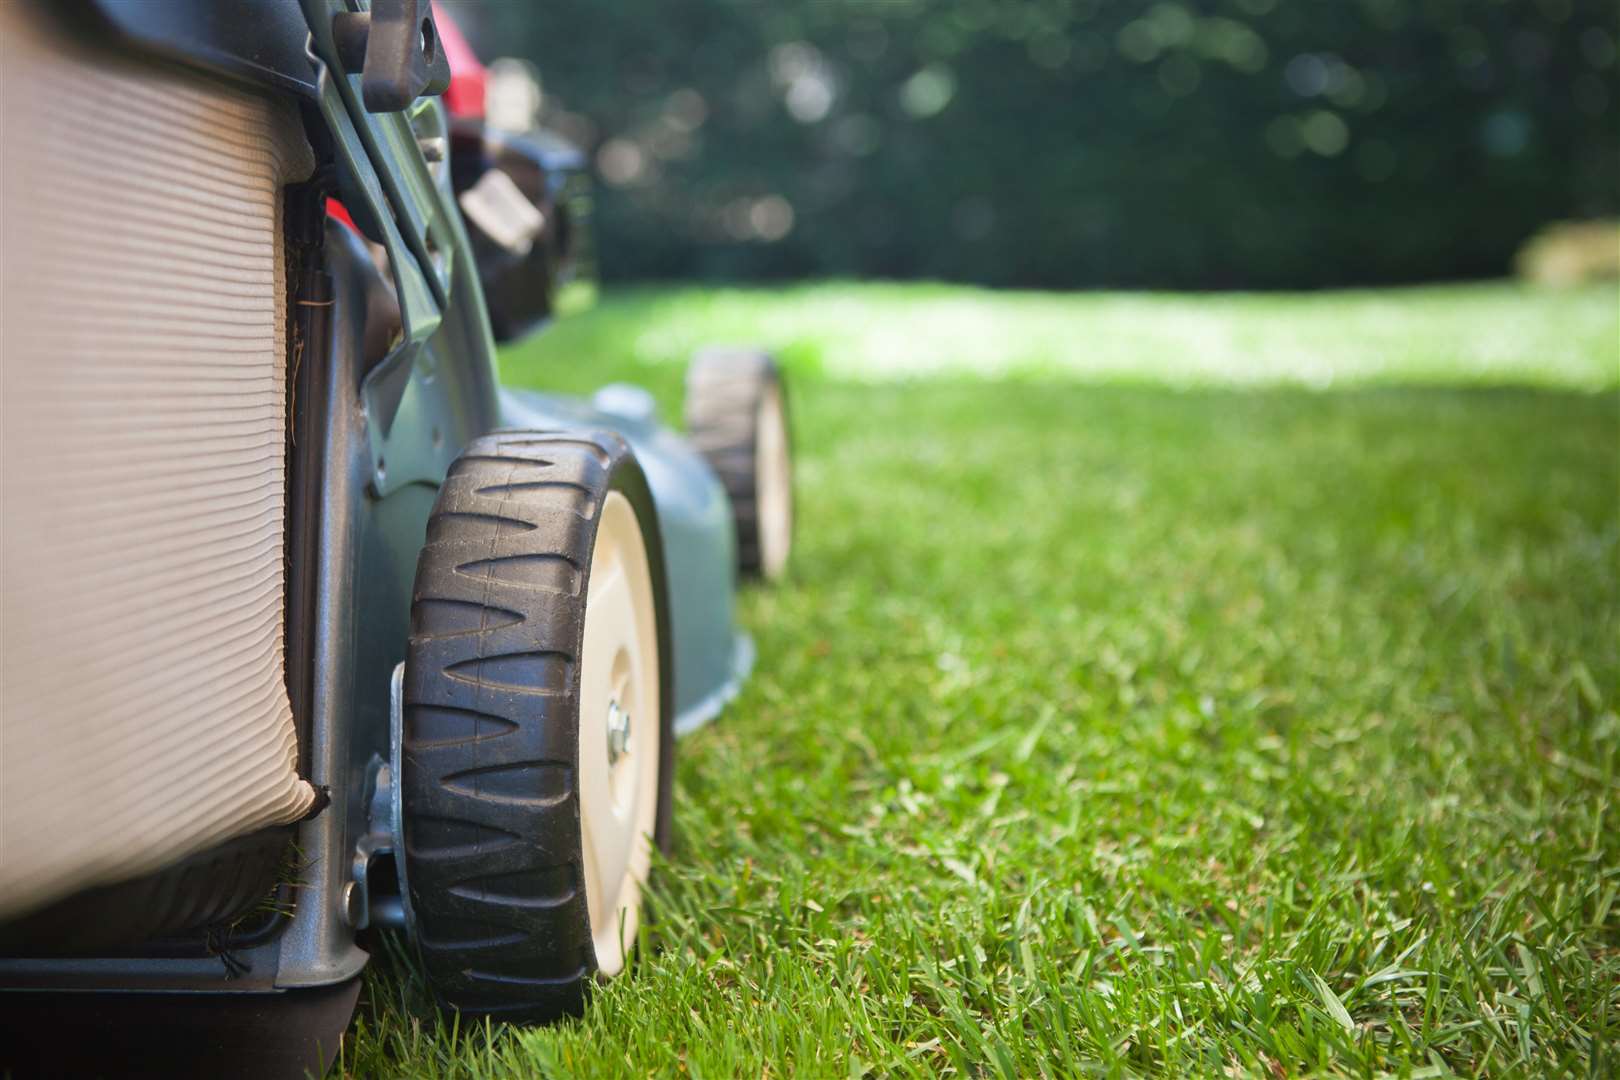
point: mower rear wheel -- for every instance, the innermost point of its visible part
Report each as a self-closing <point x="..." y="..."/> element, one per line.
<point x="538" y="726"/>
<point x="736" y="415"/>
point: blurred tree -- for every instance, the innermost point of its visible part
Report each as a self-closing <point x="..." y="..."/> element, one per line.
<point x="1180" y="143"/>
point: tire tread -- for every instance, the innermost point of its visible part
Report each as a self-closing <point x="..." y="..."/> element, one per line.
<point x="500" y="591"/>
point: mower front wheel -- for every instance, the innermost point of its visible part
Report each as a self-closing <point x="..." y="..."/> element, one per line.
<point x="539" y="743"/>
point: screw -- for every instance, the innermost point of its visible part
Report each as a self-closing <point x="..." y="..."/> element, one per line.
<point x="618" y="732"/>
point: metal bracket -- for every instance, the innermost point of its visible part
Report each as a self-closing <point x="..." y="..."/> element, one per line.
<point x="410" y="426"/>
<point x="357" y="898"/>
<point x="385" y="833"/>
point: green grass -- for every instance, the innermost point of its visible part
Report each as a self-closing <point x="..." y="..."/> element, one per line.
<point x="1192" y="685"/>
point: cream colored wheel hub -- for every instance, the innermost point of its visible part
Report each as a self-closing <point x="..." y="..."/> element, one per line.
<point x="773" y="483"/>
<point x="619" y="732"/>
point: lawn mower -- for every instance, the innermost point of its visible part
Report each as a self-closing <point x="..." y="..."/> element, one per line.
<point x="312" y="628"/>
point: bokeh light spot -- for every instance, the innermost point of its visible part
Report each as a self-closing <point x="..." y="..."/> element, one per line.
<point x="927" y="92"/>
<point x="1324" y="133"/>
<point x="621" y="162"/>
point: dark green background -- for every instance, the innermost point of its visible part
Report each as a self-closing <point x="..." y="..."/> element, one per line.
<point x="1222" y="143"/>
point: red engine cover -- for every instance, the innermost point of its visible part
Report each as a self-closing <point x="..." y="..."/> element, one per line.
<point x="465" y="98"/>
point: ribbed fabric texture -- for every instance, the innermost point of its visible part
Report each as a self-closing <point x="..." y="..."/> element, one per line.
<point x="143" y="709"/>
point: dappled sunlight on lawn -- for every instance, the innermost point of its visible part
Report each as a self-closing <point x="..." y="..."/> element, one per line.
<point x="1491" y="333"/>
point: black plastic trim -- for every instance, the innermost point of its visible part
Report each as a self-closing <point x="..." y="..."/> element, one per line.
<point x="263" y="42"/>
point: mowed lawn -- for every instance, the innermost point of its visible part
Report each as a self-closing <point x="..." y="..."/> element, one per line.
<point x="1215" y="685"/>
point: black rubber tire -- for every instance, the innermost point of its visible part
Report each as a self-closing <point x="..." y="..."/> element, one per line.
<point x="724" y="389"/>
<point x="493" y="847"/>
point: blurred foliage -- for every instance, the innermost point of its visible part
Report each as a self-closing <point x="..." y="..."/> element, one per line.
<point x="1200" y="143"/>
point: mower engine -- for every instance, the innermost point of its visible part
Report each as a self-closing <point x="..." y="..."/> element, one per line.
<point x="525" y="196"/>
